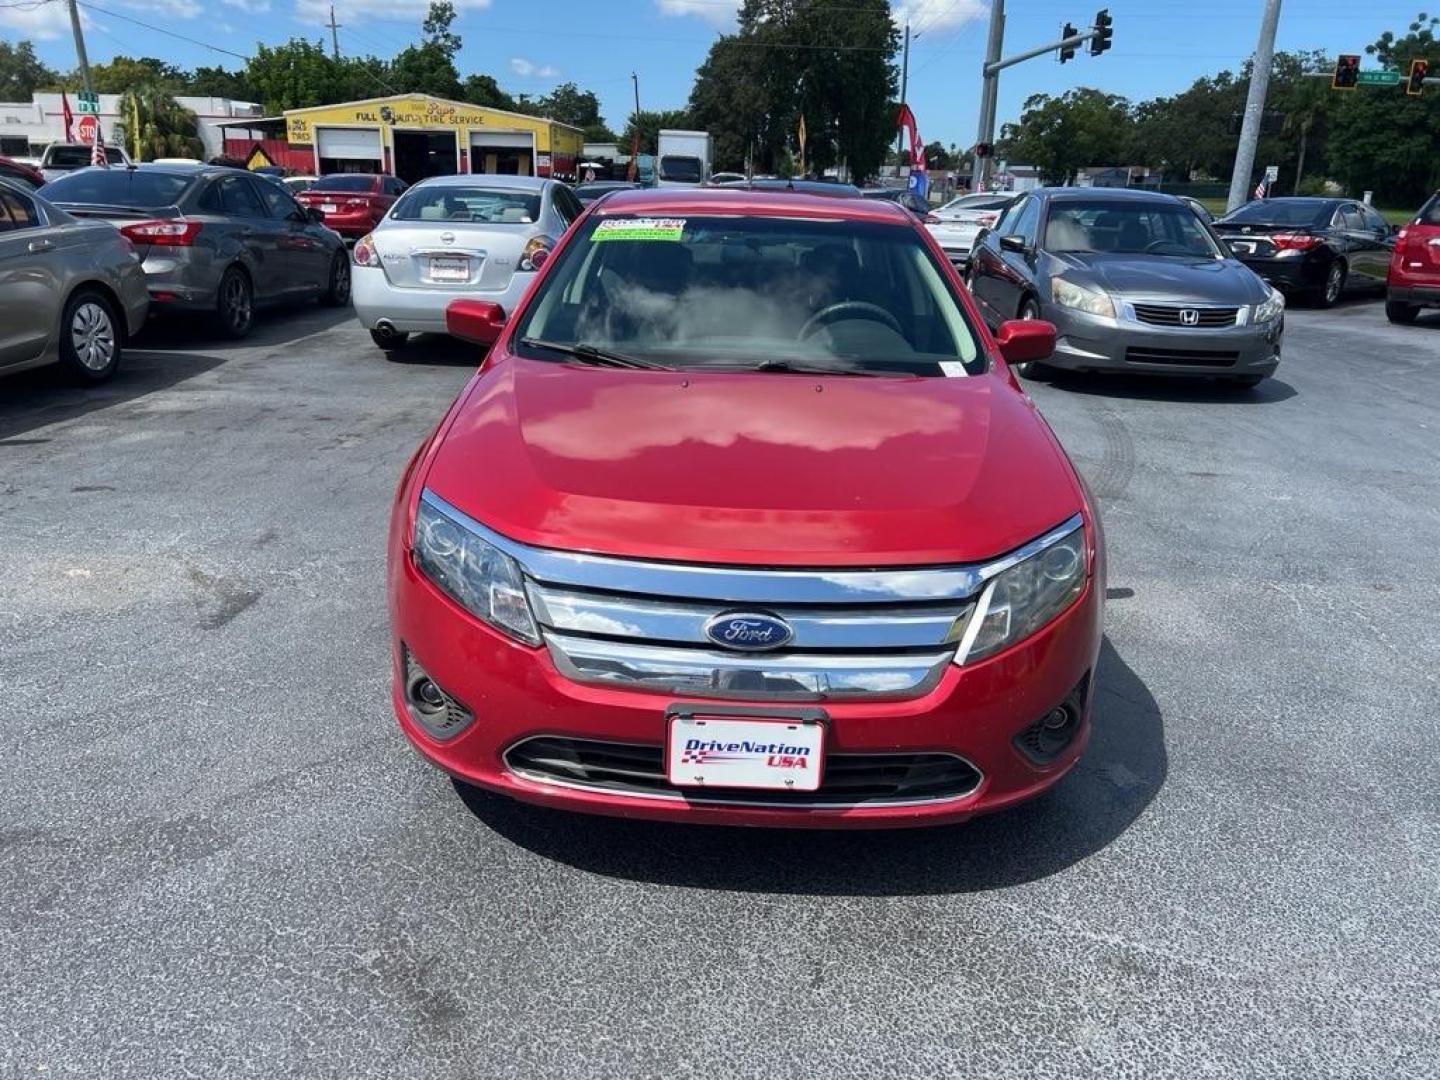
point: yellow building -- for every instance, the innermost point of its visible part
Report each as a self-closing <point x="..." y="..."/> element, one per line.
<point x="413" y="136"/>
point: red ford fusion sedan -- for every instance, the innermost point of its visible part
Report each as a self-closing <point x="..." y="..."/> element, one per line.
<point x="744" y="520"/>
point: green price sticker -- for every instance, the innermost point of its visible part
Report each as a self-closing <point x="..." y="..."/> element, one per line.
<point x="639" y="229"/>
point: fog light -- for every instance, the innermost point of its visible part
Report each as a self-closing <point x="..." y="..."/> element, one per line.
<point x="429" y="705"/>
<point x="1044" y="740"/>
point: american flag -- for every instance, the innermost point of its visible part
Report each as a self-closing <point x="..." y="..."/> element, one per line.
<point x="1262" y="189"/>
<point x="97" y="149"/>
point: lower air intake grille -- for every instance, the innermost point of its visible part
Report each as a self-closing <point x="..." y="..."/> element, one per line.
<point x="638" y="769"/>
<point x="1181" y="357"/>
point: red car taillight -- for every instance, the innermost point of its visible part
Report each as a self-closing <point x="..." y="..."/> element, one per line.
<point x="986" y="220"/>
<point x="357" y="204"/>
<point x="1294" y="241"/>
<point x="537" y="250"/>
<point x="172" y="233"/>
<point x="365" y="254"/>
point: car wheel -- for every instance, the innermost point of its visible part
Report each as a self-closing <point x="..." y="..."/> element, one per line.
<point x="1033" y="369"/>
<point x="1334" y="285"/>
<point x="236" y="303"/>
<point x="389" y="340"/>
<point x="90" y="338"/>
<point x="1404" y="314"/>
<point x="337" y="290"/>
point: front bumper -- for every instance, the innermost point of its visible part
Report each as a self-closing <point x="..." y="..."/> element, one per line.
<point x="517" y="694"/>
<point x="1092" y="343"/>
<point x="420" y="309"/>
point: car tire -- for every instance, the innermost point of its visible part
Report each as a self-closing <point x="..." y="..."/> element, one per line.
<point x="390" y="343"/>
<point x="91" y="338"/>
<point x="1034" y="369"/>
<point x="235" y="303"/>
<point x="1334" y="287"/>
<point x="337" y="287"/>
<point x="1404" y="314"/>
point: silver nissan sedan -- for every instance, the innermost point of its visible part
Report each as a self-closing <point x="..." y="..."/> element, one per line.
<point x="476" y="236"/>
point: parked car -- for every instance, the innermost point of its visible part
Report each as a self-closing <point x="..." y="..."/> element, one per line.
<point x="1201" y="210"/>
<point x="213" y="239"/>
<point x="61" y="158"/>
<point x="916" y="204"/>
<point x="1314" y="248"/>
<point x="956" y="224"/>
<point x="297" y="184"/>
<point x="449" y="236"/>
<point x="71" y="292"/>
<point x="744" y="520"/>
<point x="588" y="193"/>
<point x="726" y="177"/>
<point x="27" y="176"/>
<point x="1133" y="281"/>
<point x="353" y="203"/>
<point x="1414" y="278"/>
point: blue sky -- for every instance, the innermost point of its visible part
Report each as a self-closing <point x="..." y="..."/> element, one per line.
<point x="530" y="45"/>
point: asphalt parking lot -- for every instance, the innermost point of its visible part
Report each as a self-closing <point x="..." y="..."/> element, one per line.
<point x="219" y="858"/>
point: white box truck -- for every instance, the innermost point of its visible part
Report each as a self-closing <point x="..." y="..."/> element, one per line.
<point x="683" y="158"/>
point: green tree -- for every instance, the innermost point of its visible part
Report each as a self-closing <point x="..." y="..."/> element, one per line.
<point x="571" y="105"/>
<point x="425" y="69"/>
<point x="649" y="125"/>
<point x="218" y="82"/>
<point x="1382" y="139"/>
<point x="294" y="75"/>
<point x="436" y="27"/>
<point x="937" y="157"/>
<point x="165" y="129"/>
<point x="484" y="90"/>
<point x="124" y="73"/>
<point x="22" y="72"/>
<point x="1059" y="135"/>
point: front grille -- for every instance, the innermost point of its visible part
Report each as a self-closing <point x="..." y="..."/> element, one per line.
<point x="1169" y="315"/>
<point x="1181" y="357"/>
<point x="639" y="769"/>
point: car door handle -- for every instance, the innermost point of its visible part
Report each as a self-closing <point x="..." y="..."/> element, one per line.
<point x="41" y="245"/>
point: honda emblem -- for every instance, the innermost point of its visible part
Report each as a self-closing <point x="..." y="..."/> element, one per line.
<point x="1189" y="317"/>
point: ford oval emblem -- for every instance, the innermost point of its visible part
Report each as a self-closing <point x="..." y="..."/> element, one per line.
<point x="748" y="631"/>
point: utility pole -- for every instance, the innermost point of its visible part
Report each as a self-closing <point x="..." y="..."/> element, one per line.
<point x="334" y="37"/>
<point x="633" y="173"/>
<point x="989" y="86"/>
<point x="80" y="46"/>
<point x="1254" y="106"/>
<point x="904" y="82"/>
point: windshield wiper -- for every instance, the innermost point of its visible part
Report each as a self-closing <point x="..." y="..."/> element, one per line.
<point x="775" y="364"/>
<point x="593" y="354"/>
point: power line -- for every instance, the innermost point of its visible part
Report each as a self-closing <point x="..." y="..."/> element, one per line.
<point x="160" y="29"/>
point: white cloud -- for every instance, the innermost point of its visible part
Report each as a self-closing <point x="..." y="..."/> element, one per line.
<point x="41" y="22"/>
<point x="718" y="12"/>
<point x="250" y="7"/>
<point x="931" y="15"/>
<point x="175" y="9"/>
<point x="529" y="69"/>
<point x="318" y="11"/>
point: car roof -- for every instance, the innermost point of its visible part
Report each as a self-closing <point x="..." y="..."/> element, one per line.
<point x="523" y="183"/>
<point x="1101" y="194"/>
<point x="760" y="202"/>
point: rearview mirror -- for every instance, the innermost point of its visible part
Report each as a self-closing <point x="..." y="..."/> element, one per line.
<point x="1013" y="243"/>
<point x="1024" y="341"/>
<point x="479" y="321"/>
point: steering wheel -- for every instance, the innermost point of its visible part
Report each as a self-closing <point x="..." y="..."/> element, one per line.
<point x="1165" y="243"/>
<point x="856" y="308"/>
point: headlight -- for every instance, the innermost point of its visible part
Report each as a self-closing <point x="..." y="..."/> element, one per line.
<point x="1272" y="307"/>
<point x="1091" y="301"/>
<point x="1022" y="599"/>
<point x="477" y="574"/>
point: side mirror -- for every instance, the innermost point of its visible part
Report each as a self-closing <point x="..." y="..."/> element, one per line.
<point x="1024" y="341"/>
<point x="315" y="214"/>
<point x="1013" y="243"/>
<point x="480" y="321"/>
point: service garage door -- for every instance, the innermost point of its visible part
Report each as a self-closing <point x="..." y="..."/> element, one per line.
<point x="349" y="150"/>
<point x="511" y="152"/>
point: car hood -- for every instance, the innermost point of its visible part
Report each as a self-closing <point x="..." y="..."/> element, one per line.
<point x="754" y="468"/>
<point x="1163" y="279"/>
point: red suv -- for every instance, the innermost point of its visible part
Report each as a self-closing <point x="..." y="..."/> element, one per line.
<point x="1414" y="280"/>
<point x="745" y="520"/>
<point x="353" y="203"/>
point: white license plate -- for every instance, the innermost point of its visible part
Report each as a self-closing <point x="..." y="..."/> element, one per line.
<point x="328" y="208"/>
<point x="443" y="268"/>
<point x="1247" y="246"/>
<point x="719" y="751"/>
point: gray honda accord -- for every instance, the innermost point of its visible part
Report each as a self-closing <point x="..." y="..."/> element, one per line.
<point x="1133" y="281"/>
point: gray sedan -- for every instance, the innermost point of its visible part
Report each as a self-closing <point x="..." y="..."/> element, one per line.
<point x="1133" y="281"/>
<point x="71" y="292"/>
<point x="477" y="236"/>
<point x="213" y="240"/>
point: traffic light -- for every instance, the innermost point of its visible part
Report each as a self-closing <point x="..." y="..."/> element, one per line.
<point x="1418" y="70"/>
<point x="1347" y="72"/>
<point x="1103" y="32"/>
<point x="1067" y="52"/>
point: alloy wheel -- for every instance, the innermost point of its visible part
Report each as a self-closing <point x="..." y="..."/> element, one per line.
<point x="92" y="335"/>
<point x="1333" y="282"/>
<point x="237" y="305"/>
<point x="340" y="279"/>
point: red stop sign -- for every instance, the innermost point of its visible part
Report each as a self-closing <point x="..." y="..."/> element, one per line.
<point x="87" y="127"/>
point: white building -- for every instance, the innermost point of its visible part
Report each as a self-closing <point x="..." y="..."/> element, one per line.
<point x="27" y="127"/>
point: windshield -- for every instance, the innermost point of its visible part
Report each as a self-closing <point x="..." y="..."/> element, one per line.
<point x="450" y="202"/>
<point x="1128" y="229"/>
<point x="138" y="188"/>
<point x="685" y="169"/>
<point x="977" y="202"/>
<point x="733" y="292"/>
<point x="75" y="157"/>
<point x="345" y="182"/>
<point x="1282" y="212"/>
<point x="1429" y="213"/>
